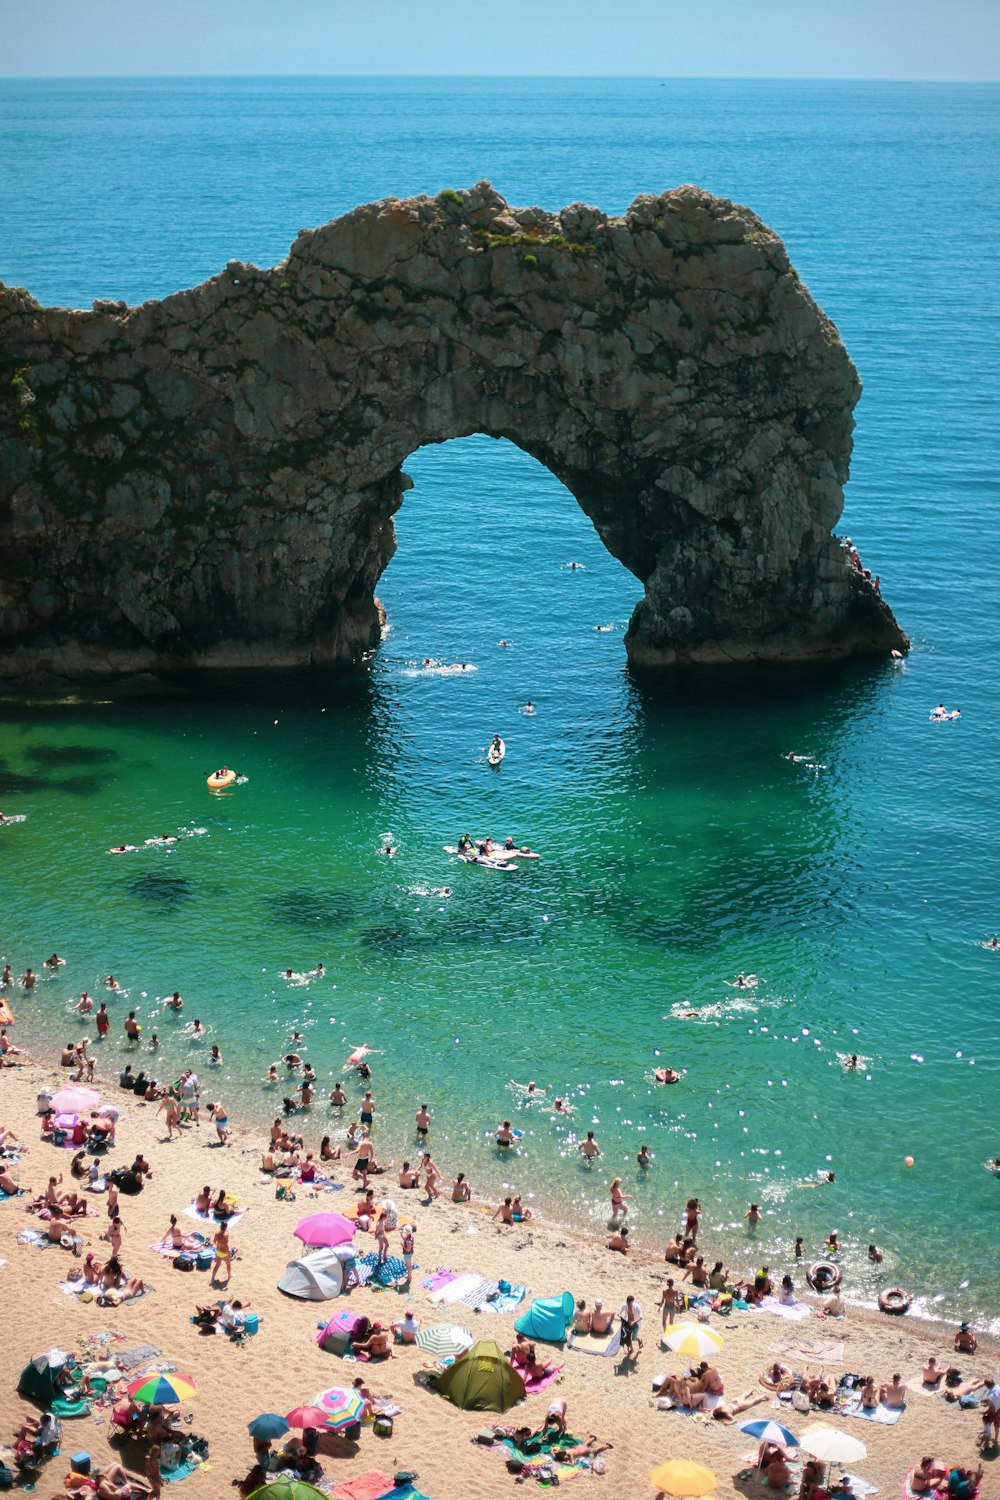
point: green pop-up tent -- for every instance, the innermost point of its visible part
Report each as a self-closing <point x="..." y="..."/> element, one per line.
<point x="481" y="1380"/>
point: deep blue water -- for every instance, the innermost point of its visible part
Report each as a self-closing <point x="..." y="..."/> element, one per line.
<point x="680" y="845"/>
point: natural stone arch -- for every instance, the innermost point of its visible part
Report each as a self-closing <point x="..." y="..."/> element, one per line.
<point x="211" y="479"/>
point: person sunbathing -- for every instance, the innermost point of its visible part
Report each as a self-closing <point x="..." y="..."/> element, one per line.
<point x="678" y="1390"/>
<point x="729" y="1411"/>
<point x="964" y="1388"/>
<point x="777" y="1474"/>
<point x="600" y="1320"/>
<point x="57" y="1227"/>
<point x="924" y="1478"/>
<point x="7" y="1183"/>
<point x="113" y="1278"/>
<point x="178" y="1240"/>
<point x="582" y="1319"/>
<point x="778" y="1377"/>
<point x="376" y="1345"/>
<point x="931" y="1373"/>
<point x="114" y="1483"/>
<point x="524" y="1357"/>
<point x="588" y="1449"/>
<point x="893" y="1394"/>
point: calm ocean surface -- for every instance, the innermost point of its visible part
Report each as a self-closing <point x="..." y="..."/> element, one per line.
<point x="679" y="844"/>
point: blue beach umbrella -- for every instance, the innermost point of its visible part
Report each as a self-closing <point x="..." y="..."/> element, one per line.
<point x="766" y="1431"/>
<point x="268" y="1425"/>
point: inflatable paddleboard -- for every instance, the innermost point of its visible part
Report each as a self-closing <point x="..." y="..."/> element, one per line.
<point x="496" y="753"/>
<point x="218" y="781"/>
<point x="14" y="818"/>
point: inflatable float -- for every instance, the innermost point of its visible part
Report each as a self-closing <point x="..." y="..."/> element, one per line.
<point x="496" y="752"/>
<point x="895" y="1299"/>
<point x="219" y="780"/>
<point x="824" y="1276"/>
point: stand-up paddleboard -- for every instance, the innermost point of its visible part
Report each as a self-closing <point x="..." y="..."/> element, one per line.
<point x="219" y="780"/>
<point x="496" y="752"/>
<point x="13" y="818"/>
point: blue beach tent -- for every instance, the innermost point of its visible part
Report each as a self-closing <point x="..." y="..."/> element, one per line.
<point x="548" y="1319"/>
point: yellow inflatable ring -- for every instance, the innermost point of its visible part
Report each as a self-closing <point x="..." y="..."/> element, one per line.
<point x="218" y="782"/>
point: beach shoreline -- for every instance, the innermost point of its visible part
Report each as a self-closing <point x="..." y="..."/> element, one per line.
<point x="282" y="1364"/>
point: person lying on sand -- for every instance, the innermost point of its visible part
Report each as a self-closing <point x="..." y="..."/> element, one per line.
<point x="588" y="1449"/>
<point x="728" y="1412"/>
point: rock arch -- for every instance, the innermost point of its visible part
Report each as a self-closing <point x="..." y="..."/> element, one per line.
<point x="209" y="480"/>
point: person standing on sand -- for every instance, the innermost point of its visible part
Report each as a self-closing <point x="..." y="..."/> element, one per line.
<point x="669" y="1299"/>
<point x="630" y="1313"/>
<point x="431" y="1178"/>
<point x="173" y="1113"/>
<point x="223" y="1254"/>
<point x="406" y="1238"/>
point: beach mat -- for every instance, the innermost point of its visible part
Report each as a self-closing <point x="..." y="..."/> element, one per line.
<point x="887" y="1416"/>
<point x="532" y="1386"/>
<point x="811" y="1351"/>
<point x="607" y="1344"/>
<point x="793" y="1311"/>
<point x="233" y="1219"/>
<point x="368" y="1486"/>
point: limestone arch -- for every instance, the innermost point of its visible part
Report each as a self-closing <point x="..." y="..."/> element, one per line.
<point x="210" y="480"/>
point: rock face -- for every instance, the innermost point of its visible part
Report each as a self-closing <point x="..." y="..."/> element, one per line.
<point x="210" y="480"/>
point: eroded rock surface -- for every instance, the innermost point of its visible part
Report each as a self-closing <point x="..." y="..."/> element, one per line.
<point x="210" y="480"/>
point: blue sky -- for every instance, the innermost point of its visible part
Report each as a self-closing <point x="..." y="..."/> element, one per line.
<point x="934" y="39"/>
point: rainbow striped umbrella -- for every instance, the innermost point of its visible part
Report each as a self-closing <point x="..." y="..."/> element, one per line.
<point x="162" y="1390"/>
<point x="340" y="1408"/>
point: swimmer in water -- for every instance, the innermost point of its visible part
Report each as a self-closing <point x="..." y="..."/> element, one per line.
<point x="575" y="567"/>
<point x="175" y="1002"/>
<point x="196" y="1031"/>
<point x="560" y="1107"/>
<point x="603" y="629"/>
<point x="388" y="849"/>
<point x="215" y="1056"/>
<point x="851" y="1065"/>
<point x="54" y="961"/>
<point x="111" y="983"/>
<point x="124" y="849"/>
<point x="667" y="1075"/>
<point x="644" y="1159"/>
<point x="503" y="643"/>
<point x="528" y="708"/>
<point x="993" y="945"/>
<point x="319" y="970"/>
<point x="531" y="1089"/>
<point x="272" y="1074"/>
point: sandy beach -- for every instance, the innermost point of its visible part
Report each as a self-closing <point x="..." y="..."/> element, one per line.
<point x="281" y="1366"/>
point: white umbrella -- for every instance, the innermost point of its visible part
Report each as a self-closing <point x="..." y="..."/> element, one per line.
<point x="831" y="1446"/>
<point x="693" y="1340"/>
<point x="444" y="1340"/>
<point x="50" y="1359"/>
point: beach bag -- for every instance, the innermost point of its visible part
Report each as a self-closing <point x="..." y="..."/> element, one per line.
<point x="382" y="1426"/>
<point x="800" y="1401"/>
<point x="183" y="1262"/>
<point x="514" y="1466"/>
<point x="352" y="1433"/>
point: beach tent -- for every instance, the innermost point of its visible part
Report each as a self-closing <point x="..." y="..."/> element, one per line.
<point x="316" y="1277"/>
<point x="288" y="1489"/>
<point x="335" y="1336"/>
<point x="548" y="1319"/>
<point x="38" y="1384"/>
<point x="481" y="1380"/>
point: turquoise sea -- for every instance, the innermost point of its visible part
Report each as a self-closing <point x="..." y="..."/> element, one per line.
<point x="679" y="844"/>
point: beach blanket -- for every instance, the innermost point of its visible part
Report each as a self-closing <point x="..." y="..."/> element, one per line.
<point x="861" y="1487"/>
<point x="442" y="1276"/>
<point x="535" y="1383"/>
<point x="181" y="1472"/>
<point x="233" y="1219"/>
<point x="36" y="1237"/>
<point x="504" y="1302"/>
<point x="391" y="1270"/>
<point x="138" y="1354"/>
<point x="541" y="1457"/>
<point x="167" y="1249"/>
<point x="794" y="1311"/>
<point x="596" y="1343"/>
<point x="886" y="1415"/>
<point x="466" y="1290"/>
<point x="810" y="1351"/>
<point x="5" y="1197"/>
<point x="366" y="1487"/>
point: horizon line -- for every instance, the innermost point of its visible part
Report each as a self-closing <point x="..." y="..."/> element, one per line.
<point x="638" y="77"/>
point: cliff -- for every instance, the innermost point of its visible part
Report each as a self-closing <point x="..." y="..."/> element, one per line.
<point x="210" y="480"/>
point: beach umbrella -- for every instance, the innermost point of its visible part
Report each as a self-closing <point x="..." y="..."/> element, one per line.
<point x="324" y="1230"/>
<point x="693" y="1340"/>
<point x="302" y="1417"/>
<point x="288" y="1489"/>
<point x="268" y="1425"/>
<point x="340" y="1408"/>
<point x="682" y="1477"/>
<point x="161" y="1390"/>
<point x="74" y="1100"/>
<point x="831" y="1446"/>
<point x="766" y="1431"/>
<point x="444" y="1340"/>
<point x="50" y="1359"/>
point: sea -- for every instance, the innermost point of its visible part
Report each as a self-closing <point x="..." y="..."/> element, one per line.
<point x="679" y="844"/>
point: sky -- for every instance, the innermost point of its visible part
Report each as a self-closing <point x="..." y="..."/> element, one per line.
<point x="904" y="39"/>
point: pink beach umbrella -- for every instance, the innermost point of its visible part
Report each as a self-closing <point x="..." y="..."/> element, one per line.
<point x="306" y="1416"/>
<point x="75" y="1101"/>
<point x="325" y="1229"/>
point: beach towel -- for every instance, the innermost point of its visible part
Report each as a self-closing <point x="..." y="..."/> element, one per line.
<point x="886" y="1415"/>
<point x="366" y="1487"/>
<point x="167" y="1249"/>
<point x="440" y="1279"/>
<point x="138" y="1354"/>
<point x="35" y="1237"/>
<point x="535" y="1383"/>
<point x="233" y="1219"/>
<point x="504" y="1302"/>
<point x="596" y="1343"/>
<point x="810" y="1351"/>
<point x="182" y="1471"/>
<point x="862" y="1487"/>
<point x="392" y="1269"/>
<point x="794" y="1311"/>
<point x="468" y="1291"/>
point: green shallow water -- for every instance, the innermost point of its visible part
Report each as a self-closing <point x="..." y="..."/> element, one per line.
<point x="679" y="845"/>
